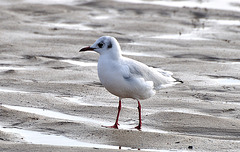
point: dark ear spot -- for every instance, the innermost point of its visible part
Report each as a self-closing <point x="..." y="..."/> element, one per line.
<point x="110" y="45"/>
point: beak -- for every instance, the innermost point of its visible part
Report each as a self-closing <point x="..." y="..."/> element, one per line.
<point x="88" y="48"/>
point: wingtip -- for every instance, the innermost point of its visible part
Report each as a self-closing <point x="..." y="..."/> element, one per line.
<point x="178" y="80"/>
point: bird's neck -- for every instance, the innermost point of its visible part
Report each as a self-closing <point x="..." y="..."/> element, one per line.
<point x="112" y="55"/>
<point x="116" y="55"/>
<point x="109" y="56"/>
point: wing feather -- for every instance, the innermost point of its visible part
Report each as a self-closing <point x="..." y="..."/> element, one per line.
<point x="134" y="69"/>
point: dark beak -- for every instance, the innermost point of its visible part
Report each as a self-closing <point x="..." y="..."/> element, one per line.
<point x="88" y="48"/>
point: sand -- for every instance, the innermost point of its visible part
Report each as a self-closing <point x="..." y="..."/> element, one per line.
<point x="51" y="98"/>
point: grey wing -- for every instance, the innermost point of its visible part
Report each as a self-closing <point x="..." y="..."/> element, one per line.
<point x="159" y="77"/>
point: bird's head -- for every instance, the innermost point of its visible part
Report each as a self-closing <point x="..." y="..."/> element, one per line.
<point x="104" y="45"/>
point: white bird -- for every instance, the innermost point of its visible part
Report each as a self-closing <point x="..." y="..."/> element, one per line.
<point x="125" y="77"/>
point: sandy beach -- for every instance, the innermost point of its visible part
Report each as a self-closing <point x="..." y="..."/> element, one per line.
<point x="52" y="100"/>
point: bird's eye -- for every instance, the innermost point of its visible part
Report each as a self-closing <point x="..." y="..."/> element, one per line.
<point x="100" y="45"/>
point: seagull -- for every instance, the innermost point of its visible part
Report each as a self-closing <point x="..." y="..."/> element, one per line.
<point x="125" y="77"/>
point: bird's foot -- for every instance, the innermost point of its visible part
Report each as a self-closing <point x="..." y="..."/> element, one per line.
<point x="115" y="126"/>
<point x="138" y="127"/>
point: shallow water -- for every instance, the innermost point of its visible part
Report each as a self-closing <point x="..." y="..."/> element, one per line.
<point x="12" y="68"/>
<point x="68" y="26"/>
<point x="53" y="114"/>
<point x="51" y="139"/>
<point x="186" y="111"/>
<point x="76" y="100"/>
<point x="79" y="63"/>
<point x="141" y="54"/>
<point x="222" y="22"/>
<point x="196" y="34"/>
<point x="102" y="17"/>
<point x="180" y="37"/>
<point x="227" y="81"/>
<point x="86" y="120"/>
<point x="35" y="137"/>
<point x="49" y="2"/>
<point x="211" y="4"/>
<point x="7" y="90"/>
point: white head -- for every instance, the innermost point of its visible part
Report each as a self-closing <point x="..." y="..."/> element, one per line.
<point x="105" y="45"/>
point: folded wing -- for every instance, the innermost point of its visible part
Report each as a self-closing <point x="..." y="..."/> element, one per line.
<point x="159" y="77"/>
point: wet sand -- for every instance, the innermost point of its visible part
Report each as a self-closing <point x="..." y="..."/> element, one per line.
<point x="51" y="98"/>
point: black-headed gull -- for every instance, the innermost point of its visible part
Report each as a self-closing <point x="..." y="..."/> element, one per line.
<point x="125" y="77"/>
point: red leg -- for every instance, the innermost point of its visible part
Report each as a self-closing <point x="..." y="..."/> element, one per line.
<point x="140" y="119"/>
<point x="116" y="123"/>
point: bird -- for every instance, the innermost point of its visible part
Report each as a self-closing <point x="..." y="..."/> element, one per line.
<point x="125" y="77"/>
